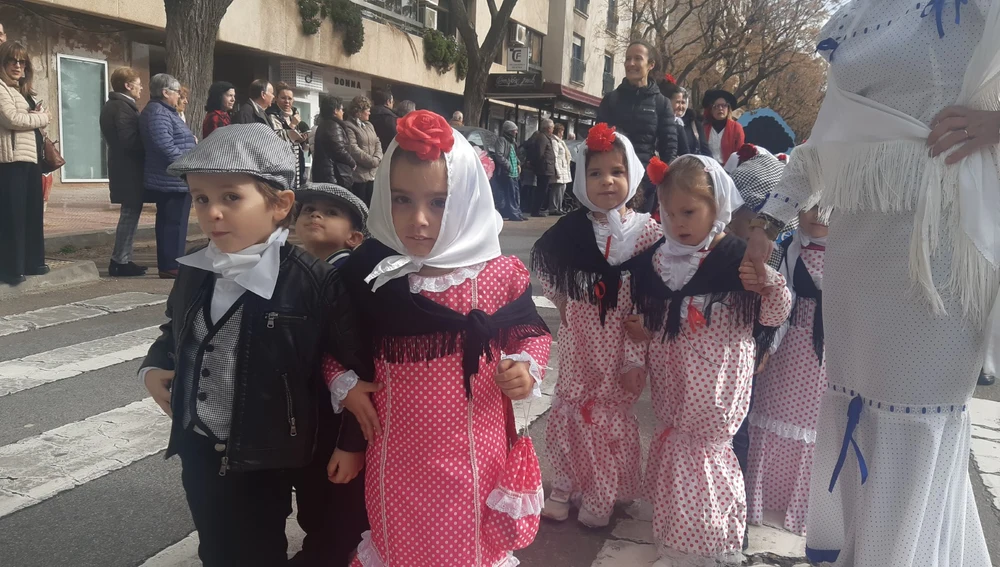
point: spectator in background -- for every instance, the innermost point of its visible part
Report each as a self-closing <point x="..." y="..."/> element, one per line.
<point x="383" y="119"/>
<point x="255" y="109"/>
<point x="405" y="107"/>
<point x="219" y="108"/>
<point x="288" y="124"/>
<point x="166" y="138"/>
<point x="563" y="172"/>
<point x="332" y="163"/>
<point x="364" y="146"/>
<point x="541" y="153"/>
<point x="21" y="231"/>
<point x="120" y="130"/>
<point x="571" y="136"/>
<point x="182" y="103"/>
<point x="723" y="134"/>
<point x="3" y="34"/>
<point x="506" y="193"/>
<point x="457" y="119"/>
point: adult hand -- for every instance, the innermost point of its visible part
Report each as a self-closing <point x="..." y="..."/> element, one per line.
<point x="514" y="379"/>
<point x="970" y="130"/>
<point x="158" y="383"/>
<point x="758" y="252"/>
<point x="359" y="402"/>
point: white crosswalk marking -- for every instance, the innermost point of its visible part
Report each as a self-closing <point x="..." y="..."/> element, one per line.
<point x="38" y="468"/>
<point x="87" y="309"/>
<point x="543" y="302"/>
<point x="66" y="362"/>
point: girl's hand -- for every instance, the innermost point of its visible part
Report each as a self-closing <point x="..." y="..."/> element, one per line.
<point x="359" y="402"/>
<point x="514" y="379"/>
<point x="634" y="381"/>
<point x="635" y="330"/>
<point x="973" y="129"/>
<point x="344" y="467"/>
<point x="763" y="363"/>
<point x="753" y="280"/>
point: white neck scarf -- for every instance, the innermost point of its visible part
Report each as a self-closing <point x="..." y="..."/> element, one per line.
<point x="635" y="173"/>
<point x="255" y="268"/>
<point x="677" y="260"/>
<point x="470" y="228"/>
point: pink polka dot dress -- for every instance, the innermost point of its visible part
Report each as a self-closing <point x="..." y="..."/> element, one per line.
<point x="592" y="435"/>
<point x="440" y="455"/>
<point x="783" y="421"/>
<point x="700" y="384"/>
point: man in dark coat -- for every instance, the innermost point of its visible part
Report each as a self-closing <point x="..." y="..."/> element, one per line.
<point x="255" y="109"/>
<point x="542" y="155"/>
<point x="383" y="118"/>
<point x="120" y="130"/>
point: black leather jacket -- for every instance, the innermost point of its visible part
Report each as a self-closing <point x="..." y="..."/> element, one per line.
<point x="280" y="394"/>
<point x="332" y="163"/>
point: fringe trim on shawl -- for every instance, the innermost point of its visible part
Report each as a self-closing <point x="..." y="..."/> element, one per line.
<point x="577" y="284"/>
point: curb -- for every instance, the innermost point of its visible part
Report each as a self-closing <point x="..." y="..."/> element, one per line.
<point x="63" y="275"/>
<point x="103" y="237"/>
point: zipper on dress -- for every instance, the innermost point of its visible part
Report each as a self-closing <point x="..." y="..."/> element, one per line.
<point x="274" y="316"/>
<point x="292" y="430"/>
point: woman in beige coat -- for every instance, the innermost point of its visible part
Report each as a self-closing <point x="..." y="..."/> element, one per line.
<point x="364" y="146"/>
<point x="22" y="244"/>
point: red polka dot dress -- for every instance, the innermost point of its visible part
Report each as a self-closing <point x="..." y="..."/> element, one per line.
<point x="700" y="383"/>
<point x="783" y="421"/>
<point x="592" y="435"/>
<point x="440" y="455"/>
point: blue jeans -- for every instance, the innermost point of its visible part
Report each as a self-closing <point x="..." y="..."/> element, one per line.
<point x="173" y="212"/>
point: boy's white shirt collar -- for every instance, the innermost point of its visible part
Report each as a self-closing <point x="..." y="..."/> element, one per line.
<point x="254" y="268"/>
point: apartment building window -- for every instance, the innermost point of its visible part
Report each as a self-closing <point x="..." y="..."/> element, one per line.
<point x="582" y="6"/>
<point x="612" y="16"/>
<point x="577" y="66"/>
<point x="609" y="73"/>
<point x="83" y="88"/>
<point x="521" y="35"/>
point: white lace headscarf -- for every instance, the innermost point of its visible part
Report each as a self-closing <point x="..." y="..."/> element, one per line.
<point x="470" y="228"/>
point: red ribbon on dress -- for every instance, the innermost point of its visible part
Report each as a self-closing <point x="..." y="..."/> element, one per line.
<point x="695" y="318"/>
<point x="587" y="411"/>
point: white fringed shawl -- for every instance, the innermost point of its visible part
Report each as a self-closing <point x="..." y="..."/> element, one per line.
<point x="864" y="155"/>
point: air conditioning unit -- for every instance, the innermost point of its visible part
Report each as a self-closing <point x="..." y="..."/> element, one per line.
<point x="430" y="18"/>
<point x="301" y="76"/>
<point x="520" y="34"/>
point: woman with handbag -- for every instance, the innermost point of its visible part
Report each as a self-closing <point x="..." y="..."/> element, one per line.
<point x="21" y="118"/>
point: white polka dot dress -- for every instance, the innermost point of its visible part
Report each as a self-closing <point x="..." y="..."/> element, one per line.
<point x="783" y="420"/>
<point x="429" y="474"/>
<point x="700" y="383"/>
<point x="899" y="377"/>
<point x="592" y="435"/>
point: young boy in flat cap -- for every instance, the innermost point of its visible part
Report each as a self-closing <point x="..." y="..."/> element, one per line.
<point x="331" y="221"/>
<point x="237" y="364"/>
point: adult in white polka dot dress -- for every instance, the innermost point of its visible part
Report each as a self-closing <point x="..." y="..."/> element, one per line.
<point x="910" y="276"/>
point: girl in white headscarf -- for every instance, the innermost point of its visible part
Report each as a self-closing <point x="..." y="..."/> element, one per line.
<point x="592" y="435"/>
<point x="441" y="305"/>
<point x="700" y="360"/>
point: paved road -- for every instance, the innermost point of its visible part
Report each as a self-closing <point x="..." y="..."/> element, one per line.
<point x="83" y="481"/>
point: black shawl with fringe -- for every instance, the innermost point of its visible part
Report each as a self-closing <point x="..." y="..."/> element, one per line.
<point x="718" y="277"/>
<point x="408" y="327"/>
<point x="805" y="288"/>
<point x="568" y="256"/>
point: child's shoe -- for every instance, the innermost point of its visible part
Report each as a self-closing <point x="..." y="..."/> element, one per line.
<point x="556" y="506"/>
<point x="592" y="521"/>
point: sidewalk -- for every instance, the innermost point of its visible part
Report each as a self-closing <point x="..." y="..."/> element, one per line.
<point x="78" y="210"/>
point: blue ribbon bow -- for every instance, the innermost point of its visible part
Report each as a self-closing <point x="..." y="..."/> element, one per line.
<point x="828" y="44"/>
<point x="853" y="418"/>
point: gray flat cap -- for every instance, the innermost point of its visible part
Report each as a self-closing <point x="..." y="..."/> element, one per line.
<point x="312" y="191"/>
<point x="253" y="149"/>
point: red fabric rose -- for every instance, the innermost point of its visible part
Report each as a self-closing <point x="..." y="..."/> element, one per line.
<point x="424" y="133"/>
<point x="601" y="138"/>
<point x="670" y="79"/>
<point x="782" y="157"/>
<point x="657" y="170"/>
<point x="746" y="152"/>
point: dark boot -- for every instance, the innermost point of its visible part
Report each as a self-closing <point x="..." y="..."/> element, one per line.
<point x="129" y="270"/>
<point x="986" y="379"/>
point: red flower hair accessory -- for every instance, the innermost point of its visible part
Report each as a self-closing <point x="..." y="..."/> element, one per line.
<point x="657" y="170"/>
<point x="601" y="138"/>
<point x="670" y="79"/>
<point x="746" y="152"/>
<point x="424" y="133"/>
<point x="782" y="157"/>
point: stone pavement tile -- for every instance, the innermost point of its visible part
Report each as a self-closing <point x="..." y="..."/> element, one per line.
<point x="85" y="209"/>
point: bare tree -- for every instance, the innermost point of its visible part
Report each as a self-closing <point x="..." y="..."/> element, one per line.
<point x="481" y="55"/>
<point x="192" y="29"/>
<point x="795" y="93"/>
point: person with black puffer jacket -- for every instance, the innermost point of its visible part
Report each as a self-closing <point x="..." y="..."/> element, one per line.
<point x="638" y="110"/>
<point x="332" y="163"/>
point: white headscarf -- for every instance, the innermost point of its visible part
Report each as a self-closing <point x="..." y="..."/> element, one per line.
<point x="470" y="227"/>
<point x="635" y="173"/>
<point x="677" y="260"/>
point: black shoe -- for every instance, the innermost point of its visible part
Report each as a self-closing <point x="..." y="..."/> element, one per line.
<point x="540" y="215"/>
<point x="986" y="379"/>
<point x="746" y="537"/>
<point x="12" y="281"/>
<point x="129" y="270"/>
<point x="39" y="271"/>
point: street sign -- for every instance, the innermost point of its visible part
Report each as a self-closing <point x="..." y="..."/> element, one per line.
<point x="517" y="59"/>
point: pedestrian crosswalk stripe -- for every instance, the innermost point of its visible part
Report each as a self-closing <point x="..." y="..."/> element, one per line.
<point x="66" y="362"/>
<point x="543" y="302"/>
<point x="77" y="311"/>
<point x="37" y="468"/>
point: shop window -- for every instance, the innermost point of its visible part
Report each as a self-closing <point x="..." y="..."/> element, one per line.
<point x="578" y="68"/>
<point x="83" y="89"/>
<point x="307" y="114"/>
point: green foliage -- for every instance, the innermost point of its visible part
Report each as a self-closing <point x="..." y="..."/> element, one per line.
<point x="345" y="16"/>
<point x="444" y="54"/>
<point x="462" y="62"/>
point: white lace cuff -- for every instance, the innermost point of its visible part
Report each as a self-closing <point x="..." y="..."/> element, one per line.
<point x="517" y="505"/>
<point x="533" y="369"/>
<point x="783" y="429"/>
<point x="339" y="388"/>
<point x="367" y="554"/>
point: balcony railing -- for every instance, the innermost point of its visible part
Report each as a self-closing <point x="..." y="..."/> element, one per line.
<point x="405" y="13"/>
<point x="577" y="70"/>
<point x="609" y="83"/>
